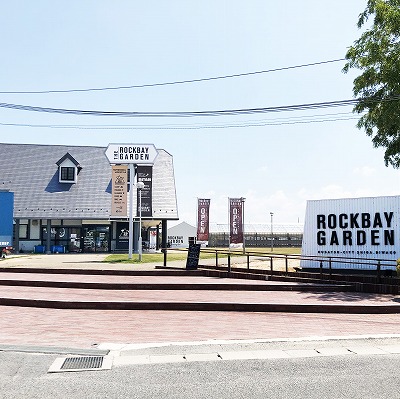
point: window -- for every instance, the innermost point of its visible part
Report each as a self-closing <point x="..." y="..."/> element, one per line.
<point x="23" y="228"/>
<point x="68" y="173"/>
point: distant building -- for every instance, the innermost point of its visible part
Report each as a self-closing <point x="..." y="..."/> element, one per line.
<point x="67" y="191"/>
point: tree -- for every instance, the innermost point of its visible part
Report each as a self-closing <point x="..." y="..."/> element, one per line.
<point x="377" y="54"/>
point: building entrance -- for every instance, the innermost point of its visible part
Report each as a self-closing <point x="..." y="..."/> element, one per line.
<point x="96" y="239"/>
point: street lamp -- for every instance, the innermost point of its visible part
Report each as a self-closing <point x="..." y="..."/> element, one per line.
<point x="140" y="187"/>
<point x="272" y="232"/>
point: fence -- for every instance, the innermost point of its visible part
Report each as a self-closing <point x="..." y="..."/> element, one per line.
<point x="259" y="240"/>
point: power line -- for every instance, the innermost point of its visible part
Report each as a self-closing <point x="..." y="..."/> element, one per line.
<point x="174" y="82"/>
<point x="269" y="122"/>
<point x="179" y="114"/>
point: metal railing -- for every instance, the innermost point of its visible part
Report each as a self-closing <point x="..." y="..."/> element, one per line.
<point x="326" y="264"/>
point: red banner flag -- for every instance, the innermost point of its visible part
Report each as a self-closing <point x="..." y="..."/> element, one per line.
<point x="236" y="221"/>
<point x="203" y="219"/>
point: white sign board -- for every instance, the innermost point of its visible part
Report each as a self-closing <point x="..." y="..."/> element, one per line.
<point x="131" y="153"/>
<point x="361" y="228"/>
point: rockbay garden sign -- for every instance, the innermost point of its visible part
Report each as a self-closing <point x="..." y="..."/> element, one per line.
<point x="131" y="153"/>
<point x="366" y="229"/>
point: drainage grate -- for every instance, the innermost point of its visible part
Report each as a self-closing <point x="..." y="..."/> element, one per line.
<point x="81" y="363"/>
<point x="86" y="362"/>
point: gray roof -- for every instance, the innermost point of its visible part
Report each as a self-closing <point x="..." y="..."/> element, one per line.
<point x="31" y="172"/>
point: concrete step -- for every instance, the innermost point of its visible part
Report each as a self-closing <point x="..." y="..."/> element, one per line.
<point x="180" y="290"/>
<point x="199" y="300"/>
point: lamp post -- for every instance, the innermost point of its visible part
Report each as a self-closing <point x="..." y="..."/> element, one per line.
<point x="132" y="176"/>
<point x="272" y="232"/>
<point x="140" y="187"/>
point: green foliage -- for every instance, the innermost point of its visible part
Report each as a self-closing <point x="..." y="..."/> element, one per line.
<point x="146" y="258"/>
<point x="377" y="54"/>
<point x="153" y="257"/>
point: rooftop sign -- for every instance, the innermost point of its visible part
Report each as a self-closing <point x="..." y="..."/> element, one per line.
<point x="131" y="153"/>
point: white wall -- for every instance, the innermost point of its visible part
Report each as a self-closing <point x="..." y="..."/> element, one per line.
<point x="360" y="228"/>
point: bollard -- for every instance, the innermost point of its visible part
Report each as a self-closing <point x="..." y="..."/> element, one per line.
<point x="378" y="271"/>
<point x="330" y="267"/>
<point x="248" y="261"/>
<point x="216" y="258"/>
<point x="229" y="262"/>
<point x="286" y="264"/>
<point x="272" y="265"/>
<point x="165" y="257"/>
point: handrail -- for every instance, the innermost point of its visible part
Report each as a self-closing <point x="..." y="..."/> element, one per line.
<point x="315" y="258"/>
<point x="379" y="264"/>
<point x="341" y="259"/>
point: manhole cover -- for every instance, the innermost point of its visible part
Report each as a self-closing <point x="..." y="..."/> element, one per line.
<point x="81" y="363"/>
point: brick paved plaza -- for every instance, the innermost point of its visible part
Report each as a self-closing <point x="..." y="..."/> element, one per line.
<point x="84" y="328"/>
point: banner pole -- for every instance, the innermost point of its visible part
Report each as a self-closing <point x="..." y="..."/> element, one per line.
<point x="229" y="224"/>
<point x="197" y="220"/>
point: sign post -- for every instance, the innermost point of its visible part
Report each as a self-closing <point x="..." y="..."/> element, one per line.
<point x="132" y="155"/>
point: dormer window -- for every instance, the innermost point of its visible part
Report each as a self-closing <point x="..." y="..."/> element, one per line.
<point x="68" y="169"/>
<point x="67" y="174"/>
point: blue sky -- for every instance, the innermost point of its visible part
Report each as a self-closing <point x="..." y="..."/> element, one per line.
<point x="48" y="45"/>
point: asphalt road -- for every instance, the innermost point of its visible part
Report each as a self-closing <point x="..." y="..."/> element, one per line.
<point x="24" y="375"/>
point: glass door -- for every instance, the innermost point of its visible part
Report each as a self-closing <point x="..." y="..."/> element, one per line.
<point x="96" y="239"/>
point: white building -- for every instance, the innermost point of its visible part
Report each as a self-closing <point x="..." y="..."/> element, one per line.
<point x="180" y="235"/>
